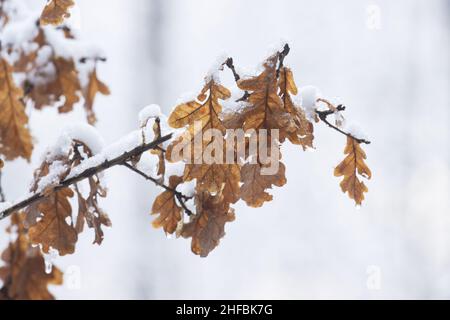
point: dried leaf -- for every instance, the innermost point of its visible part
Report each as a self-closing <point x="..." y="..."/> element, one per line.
<point x="303" y="133"/>
<point x="23" y="275"/>
<point x="56" y="11"/>
<point x="90" y="211"/>
<point x="166" y="206"/>
<point x="206" y="110"/>
<point x="255" y="184"/>
<point x="94" y="87"/>
<point x="207" y="226"/>
<point x="53" y="230"/>
<point x="265" y="108"/>
<point x="159" y="151"/>
<point x="350" y="167"/>
<point x="63" y="85"/>
<point x="15" y="138"/>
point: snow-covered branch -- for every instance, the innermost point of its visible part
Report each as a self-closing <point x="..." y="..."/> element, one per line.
<point x="86" y="172"/>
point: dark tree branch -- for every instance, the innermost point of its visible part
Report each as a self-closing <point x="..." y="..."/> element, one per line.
<point x="323" y="115"/>
<point x="281" y="56"/>
<point x="230" y="65"/>
<point x="89" y="172"/>
<point x="181" y="197"/>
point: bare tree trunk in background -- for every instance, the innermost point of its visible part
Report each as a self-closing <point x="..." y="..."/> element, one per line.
<point x="150" y="37"/>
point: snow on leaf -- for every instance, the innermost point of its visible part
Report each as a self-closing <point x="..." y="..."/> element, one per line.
<point x="56" y="11"/>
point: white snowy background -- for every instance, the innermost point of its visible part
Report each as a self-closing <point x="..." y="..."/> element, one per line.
<point x="392" y="73"/>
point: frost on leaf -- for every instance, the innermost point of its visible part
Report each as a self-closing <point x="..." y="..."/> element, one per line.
<point x="56" y="11"/>
<point x="24" y="276"/>
<point x="94" y="87"/>
<point x="166" y="206"/>
<point x="352" y="166"/>
<point x="15" y="138"/>
<point x="207" y="226"/>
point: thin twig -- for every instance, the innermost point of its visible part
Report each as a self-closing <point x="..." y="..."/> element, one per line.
<point x="89" y="172"/>
<point x="230" y="65"/>
<point x="181" y="197"/>
<point x="2" y="194"/>
<point x="281" y="56"/>
<point x="323" y="116"/>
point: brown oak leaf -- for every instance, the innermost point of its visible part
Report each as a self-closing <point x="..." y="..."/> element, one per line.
<point x="23" y="275"/>
<point x="352" y="166"/>
<point x="212" y="175"/>
<point x="255" y="184"/>
<point x="207" y="226"/>
<point x="15" y="138"/>
<point x="165" y="205"/>
<point x="265" y="108"/>
<point x="56" y="11"/>
<point x="303" y="133"/>
<point x="94" y="87"/>
<point x="53" y="230"/>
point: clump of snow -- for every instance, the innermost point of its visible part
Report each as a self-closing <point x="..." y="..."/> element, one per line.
<point x="308" y="100"/>
<point x="174" y="169"/>
<point x="86" y="134"/>
<point x="276" y="47"/>
<point x="81" y="132"/>
<point x="149" y="112"/>
<point x="148" y="164"/>
<point x="5" y="205"/>
<point x="216" y="67"/>
<point x="356" y="131"/>
<point x="186" y="97"/>
<point x="56" y="170"/>
<point x="187" y="188"/>
<point x="18" y="32"/>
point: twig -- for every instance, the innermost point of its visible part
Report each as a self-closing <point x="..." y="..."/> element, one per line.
<point x="86" y="174"/>
<point x="281" y="56"/>
<point x="230" y="65"/>
<point x="181" y="197"/>
<point x="2" y="194"/>
<point x="323" y="116"/>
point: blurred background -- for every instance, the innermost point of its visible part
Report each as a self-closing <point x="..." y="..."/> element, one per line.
<point x="387" y="61"/>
